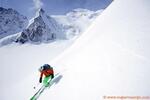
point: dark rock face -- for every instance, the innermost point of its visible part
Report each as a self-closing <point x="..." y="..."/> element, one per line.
<point x="38" y="30"/>
<point x="11" y="22"/>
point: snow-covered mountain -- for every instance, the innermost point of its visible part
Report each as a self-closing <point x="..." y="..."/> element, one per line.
<point x="41" y="28"/>
<point x="76" y="21"/>
<point x="11" y="22"/>
<point x="44" y="28"/>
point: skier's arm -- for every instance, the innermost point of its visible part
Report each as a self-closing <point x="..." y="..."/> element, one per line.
<point x="40" y="80"/>
<point x="51" y="71"/>
<point x="53" y="74"/>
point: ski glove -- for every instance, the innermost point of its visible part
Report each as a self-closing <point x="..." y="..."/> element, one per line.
<point x="52" y="76"/>
<point x="40" y="80"/>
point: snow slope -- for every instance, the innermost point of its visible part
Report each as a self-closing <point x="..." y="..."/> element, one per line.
<point x="115" y="62"/>
<point x="18" y="62"/>
<point x="110" y="58"/>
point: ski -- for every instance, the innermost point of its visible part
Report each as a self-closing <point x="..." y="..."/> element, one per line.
<point x="37" y="94"/>
<point x="40" y="91"/>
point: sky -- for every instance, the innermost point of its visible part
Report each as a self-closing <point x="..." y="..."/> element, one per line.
<point x="53" y="7"/>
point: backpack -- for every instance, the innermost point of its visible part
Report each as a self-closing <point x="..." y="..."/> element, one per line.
<point x="47" y="66"/>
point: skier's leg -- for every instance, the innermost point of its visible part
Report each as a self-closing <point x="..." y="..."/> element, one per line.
<point x="46" y="80"/>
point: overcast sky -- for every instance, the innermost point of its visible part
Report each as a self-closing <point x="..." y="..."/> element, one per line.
<point x="53" y="7"/>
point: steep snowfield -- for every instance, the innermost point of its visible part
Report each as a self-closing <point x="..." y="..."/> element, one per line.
<point x="18" y="62"/>
<point x="110" y="59"/>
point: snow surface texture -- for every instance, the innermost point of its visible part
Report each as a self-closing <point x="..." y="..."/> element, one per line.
<point x="19" y="61"/>
<point x="111" y="58"/>
<point x="44" y="28"/>
<point x="11" y="22"/>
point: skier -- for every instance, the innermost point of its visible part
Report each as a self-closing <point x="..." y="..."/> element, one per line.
<point x="47" y="70"/>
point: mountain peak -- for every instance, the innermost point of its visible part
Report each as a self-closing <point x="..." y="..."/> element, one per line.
<point x="40" y="12"/>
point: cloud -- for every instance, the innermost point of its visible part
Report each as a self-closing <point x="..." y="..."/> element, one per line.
<point x="37" y="4"/>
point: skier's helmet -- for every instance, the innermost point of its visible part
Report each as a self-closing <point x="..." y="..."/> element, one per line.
<point x="44" y="67"/>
